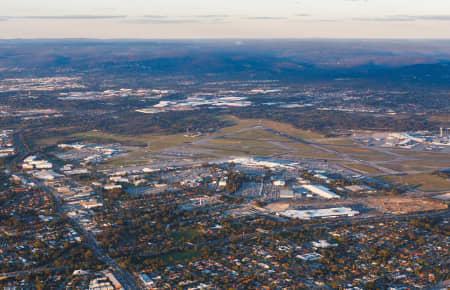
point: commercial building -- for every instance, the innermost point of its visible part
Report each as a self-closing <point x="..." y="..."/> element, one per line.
<point x="320" y="213"/>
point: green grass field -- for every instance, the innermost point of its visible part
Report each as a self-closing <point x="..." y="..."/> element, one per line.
<point x="355" y="150"/>
<point x="180" y="257"/>
<point x="277" y="126"/>
<point x="318" y="155"/>
<point x="187" y="235"/>
<point x="340" y="141"/>
<point x="424" y="155"/>
<point x="363" y="168"/>
<point x="239" y="151"/>
<point x="402" y="168"/>
<point x="255" y="134"/>
<point x="301" y="146"/>
<point x="241" y="142"/>
<point x="155" y="142"/>
<point x="371" y="157"/>
<point x="101" y="137"/>
<point x="436" y="164"/>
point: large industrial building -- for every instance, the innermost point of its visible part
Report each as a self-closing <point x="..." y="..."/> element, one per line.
<point x="321" y="191"/>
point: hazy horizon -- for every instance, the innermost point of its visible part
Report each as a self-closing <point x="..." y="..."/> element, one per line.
<point x="201" y="19"/>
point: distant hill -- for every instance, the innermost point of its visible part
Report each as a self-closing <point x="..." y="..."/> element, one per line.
<point x="384" y="60"/>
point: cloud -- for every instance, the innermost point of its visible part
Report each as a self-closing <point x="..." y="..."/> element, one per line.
<point x="183" y="19"/>
<point x="213" y="16"/>
<point x="434" y="17"/>
<point x="159" y="19"/>
<point x="156" y="16"/>
<point x="404" y="18"/>
<point x="383" y="19"/>
<point x="267" y="18"/>
<point x="59" y="17"/>
<point x="326" y="20"/>
<point x="165" y="19"/>
<point x="146" y="19"/>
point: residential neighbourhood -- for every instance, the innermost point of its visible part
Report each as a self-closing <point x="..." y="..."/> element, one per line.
<point x="223" y="164"/>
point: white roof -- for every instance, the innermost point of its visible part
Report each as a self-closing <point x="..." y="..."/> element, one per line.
<point x="325" y="212"/>
<point x="321" y="191"/>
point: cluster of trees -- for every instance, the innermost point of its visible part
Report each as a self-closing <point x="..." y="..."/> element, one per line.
<point x="128" y="123"/>
<point x="235" y="181"/>
<point x="442" y="173"/>
<point x="70" y="254"/>
<point x="432" y="224"/>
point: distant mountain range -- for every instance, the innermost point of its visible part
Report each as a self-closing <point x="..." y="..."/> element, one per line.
<point x="392" y="60"/>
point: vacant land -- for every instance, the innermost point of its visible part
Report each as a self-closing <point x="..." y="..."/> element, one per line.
<point x="401" y="205"/>
<point x="278" y="206"/>
<point x="422" y="181"/>
<point x="46" y="142"/>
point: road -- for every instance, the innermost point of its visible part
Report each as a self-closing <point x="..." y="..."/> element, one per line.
<point x="21" y="151"/>
<point x="128" y="281"/>
<point x="330" y="223"/>
<point x="125" y="278"/>
<point x="377" y="164"/>
<point x="29" y="272"/>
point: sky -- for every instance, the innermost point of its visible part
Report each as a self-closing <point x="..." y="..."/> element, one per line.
<point x="161" y="19"/>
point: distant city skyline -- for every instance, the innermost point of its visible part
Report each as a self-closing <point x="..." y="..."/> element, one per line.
<point x="219" y="19"/>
